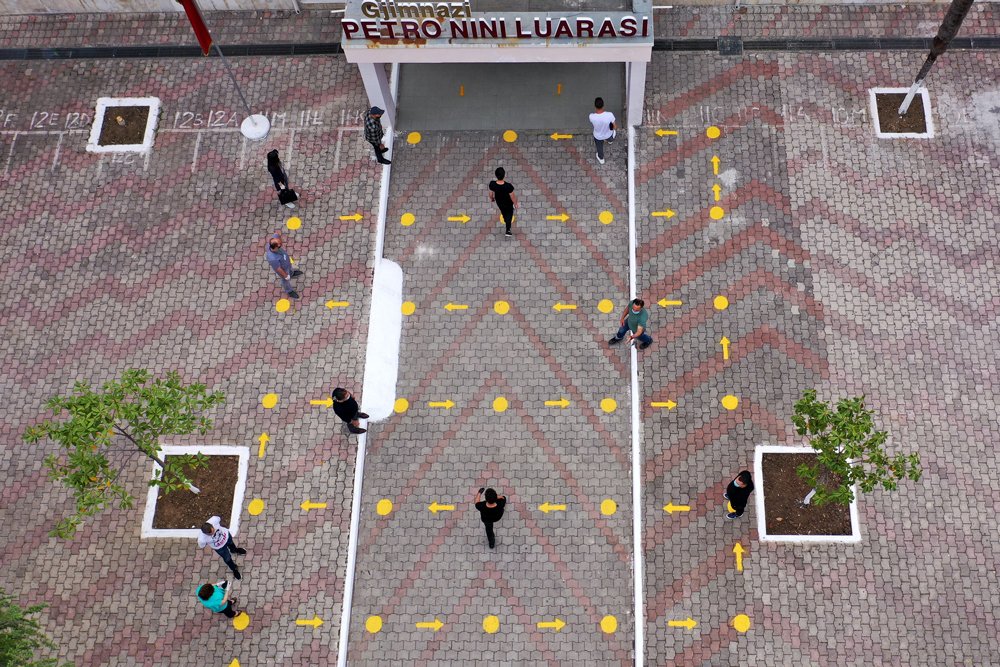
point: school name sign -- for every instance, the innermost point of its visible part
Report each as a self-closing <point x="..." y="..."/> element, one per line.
<point x="383" y="20"/>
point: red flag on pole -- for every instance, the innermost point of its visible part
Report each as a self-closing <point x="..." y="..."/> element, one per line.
<point x="198" y="23"/>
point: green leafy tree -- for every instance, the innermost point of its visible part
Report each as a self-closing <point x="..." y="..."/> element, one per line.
<point x="848" y="450"/>
<point x="21" y="637"/>
<point x="122" y="418"/>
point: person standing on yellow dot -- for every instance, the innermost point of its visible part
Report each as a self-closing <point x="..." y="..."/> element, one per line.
<point x="502" y="193"/>
<point x="635" y="319"/>
<point x="279" y="261"/>
<point x="738" y="492"/>
<point x="490" y="511"/>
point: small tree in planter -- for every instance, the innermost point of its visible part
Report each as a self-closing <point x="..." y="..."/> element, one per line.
<point x="848" y="450"/>
<point x="126" y="416"/>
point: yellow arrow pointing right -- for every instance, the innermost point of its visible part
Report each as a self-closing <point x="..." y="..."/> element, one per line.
<point x="562" y="403"/>
<point x="670" y="508"/>
<point x="738" y="550"/>
<point x="688" y="623"/>
<point x="459" y="218"/>
<point x="326" y="402"/>
<point x="263" y="440"/>
<point x="434" y="625"/>
<point x="669" y="405"/>
<point x="435" y="508"/>
<point x="562" y="217"/>
<point x="315" y="621"/>
<point x="548" y="507"/>
<point x="556" y="625"/>
<point x="355" y="217"/>
<point x="664" y="214"/>
<point x="447" y="405"/>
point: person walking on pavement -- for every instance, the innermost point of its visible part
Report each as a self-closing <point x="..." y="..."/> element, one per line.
<point x="490" y="511"/>
<point x="738" y="492"/>
<point x="215" y="597"/>
<point x="286" y="196"/>
<point x="604" y="127"/>
<point x="219" y="538"/>
<point x="348" y="410"/>
<point x="502" y="193"/>
<point x="635" y="319"/>
<point x="374" y="133"/>
<point x="277" y="257"/>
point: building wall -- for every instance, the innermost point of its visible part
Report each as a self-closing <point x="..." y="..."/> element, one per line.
<point x="102" y="6"/>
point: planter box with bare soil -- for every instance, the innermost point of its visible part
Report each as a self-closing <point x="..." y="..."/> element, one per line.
<point x="124" y="125"/>
<point x="221" y="486"/>
<point x="781" y="515"/>
<point x="916" y="123"/>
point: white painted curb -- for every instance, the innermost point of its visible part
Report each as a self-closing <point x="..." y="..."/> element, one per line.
<point x="385" y="325"/>
<point x="928" y="116"/>
<point x="147" y="138"/>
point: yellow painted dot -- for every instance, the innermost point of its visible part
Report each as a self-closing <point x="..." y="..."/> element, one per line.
<point x="282" y="305"/>
<point x="383" y="507"/>
<point x="729" y="507"/>
<point x="713" y="132"/>
<point x="241" y="621"/>
<point x="269" y="400"/>
<point x="491" y="624"/>
<point x="408" y="308"/>
<point x="606" y="217"/>
<point x="255" y="507"/>
<point x="741" y="623"/>
<point x="373" y="624"/>
<point x="500" y="404"/>
<point x="407" y="219"/>
<point x="717" y="212"/>
<point x="401" y="405"/>
<point x="729" y="402"/>
<point x="501" y="307"/>
<point x="605" y="305"/>
<point x="609" y="404"/>
<point x="413" y="138"/>
<point x="293" y="223"/>
<point x="510" y="136"/>
<point x="608" y="507"/>
<point x="720" y="302"/>
<point x="609" y="624"/>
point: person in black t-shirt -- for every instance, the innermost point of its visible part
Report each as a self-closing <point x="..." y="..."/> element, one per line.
<point x="502" y="193"/>
<point x="490" y="511"/>
<point x="738" y="492"/>
<point x="347" y="409"/>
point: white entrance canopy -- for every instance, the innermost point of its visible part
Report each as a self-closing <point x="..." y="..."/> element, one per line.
<point x="380" y="32"/>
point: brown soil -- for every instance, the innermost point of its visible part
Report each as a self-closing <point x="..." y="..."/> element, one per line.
<point x="132" y="132"/>
<point x="183" y="509"/>
<point x="783" y="494"/>
<point x="889" y="120"/>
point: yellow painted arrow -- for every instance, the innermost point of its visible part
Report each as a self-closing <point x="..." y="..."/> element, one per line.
<point x="669" y="302"/>
<point x="717" y="191"/>
<point x="669" y="405"/>
<point x="455" y="306"/>
<point x="546" y="508"/>
<point x="562" y="217"/>
<point x="556" y="625"/>
<point x="355" y="217"/>
<point x="326" y="402"/>
<point x="434" y="625"/>
<point x="562" y="403"/>
<point x="666" y="133"/>
<point x="315" y="621"/>
<point x="688" y="623"/>
<point x="663" y="214"/>
<point x="715" y="165"/>
<point x="670" y="508"/>
<point x="724" y="342"/>
<point x="556" y="136"/>
<point x="447" y="405"/>
<point x="337" y="304"/>
<point x="307" y="505"/>
<point x="559" y="307"/>
<point x="435" y="508"/>
<point x="462" y="218"/>
<point x="263" y="440"/>
<point x="738" y="550"/>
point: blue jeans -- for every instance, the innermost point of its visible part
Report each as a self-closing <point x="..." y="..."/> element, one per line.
<point x="643" y="338"/>
<point x="226" y="553"/>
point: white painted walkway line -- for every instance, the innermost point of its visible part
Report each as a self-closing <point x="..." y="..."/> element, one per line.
<point x="359" y="460"/>
<point x="638" y="583"/>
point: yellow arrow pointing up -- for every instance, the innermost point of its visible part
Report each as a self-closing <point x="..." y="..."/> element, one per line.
<point x="455" y="306"/>
<point x="434" y="625"/>
<point x="556" y="136"/>
<point x="688" y="623"/>
<point x="547" y="507"/>
<point x="337" y="304"/>
<point x="559" y="307"/>
<point x="556" y="625"/>
<point x="447" y="405"/>
<point x="435" y="508"/>
<point x="717" y="191"/>
<point x="670" y="508"/>
<point x="663" y="214"/>
<point x="738" y="550"/>
<point x="307" y="505"/>
<point x="724" y="342"/>
<point x="666" y="133"/>
<point x="355" y="217"/>
<point x="562" y="217"/>
<point x="263" y="440"/>
<point x="326" y="402"/>
<point x="715" y="165"/>
<point x="562" y="403"/>
<point x="459" y="218"/>
<point x="669" y="405"/>
<point x="665" y="303"/>
<point x="315" y="621"/>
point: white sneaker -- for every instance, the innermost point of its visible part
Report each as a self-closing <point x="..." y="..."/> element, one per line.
<point x="600" y="159"/>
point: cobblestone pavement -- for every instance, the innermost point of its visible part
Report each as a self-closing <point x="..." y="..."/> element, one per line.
<point x="119" y="262"/>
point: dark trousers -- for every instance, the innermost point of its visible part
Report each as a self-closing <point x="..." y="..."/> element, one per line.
<point x="739" y="506"/>
<point x="508" y="216"/>
<point x="229" y="611"/>
<point x="379" y="153"/>
<point x="489" y="533"/>
<point x="226" y="553"/>
<point x="280" y="178"/>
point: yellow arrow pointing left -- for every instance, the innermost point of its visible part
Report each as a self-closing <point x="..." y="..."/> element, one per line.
<point x="315" y="621"/>
<point x="434" y="625"/>
<point x="556" y="136"/>
<point x="665" y="303"/>
<point x="670" y="508"/>
<point x="326" y="402"/>
<point x="548" y="507"/>
<point x="688" y="623"/>
<point x="455" y="306"/>
<point x="435" y="508"/>
<point x="337" y="304"/>
<point x="307" y="505"/>
<point x="355" y="217"/>
<point x="559" y="307"/>
<point x="459" y="218"/>
<point x="666" y="133"/>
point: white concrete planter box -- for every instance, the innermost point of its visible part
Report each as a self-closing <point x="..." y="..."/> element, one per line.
<point x="758" y="460"/>
<point x="209" y="450"/>
<point x="928" y="118"/>
<point x="147" y="138"/>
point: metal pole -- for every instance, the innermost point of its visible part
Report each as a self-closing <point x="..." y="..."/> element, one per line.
<point x="957" y="11"/>
<point x="233" y="77"/>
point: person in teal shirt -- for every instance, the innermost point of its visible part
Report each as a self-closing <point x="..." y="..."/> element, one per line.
<point x="216" y="598"/>
<point x="634" y="320"/>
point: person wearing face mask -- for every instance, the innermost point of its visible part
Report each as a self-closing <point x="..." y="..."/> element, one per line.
<point x="738" y="492"/>
<point x="634" y="322"/>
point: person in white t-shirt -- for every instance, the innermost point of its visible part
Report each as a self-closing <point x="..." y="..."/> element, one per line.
<point x="604" y="127"/>
<point x="219" y="538"/>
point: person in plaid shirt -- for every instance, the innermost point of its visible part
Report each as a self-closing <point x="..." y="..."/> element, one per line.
<point x="374" y="132"/>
